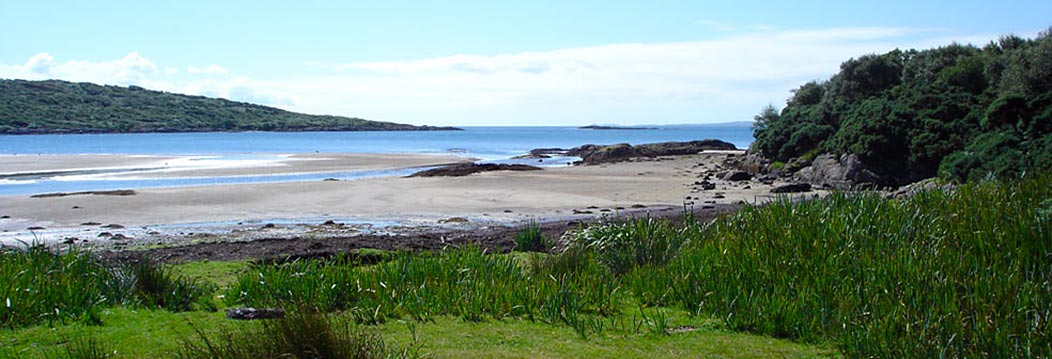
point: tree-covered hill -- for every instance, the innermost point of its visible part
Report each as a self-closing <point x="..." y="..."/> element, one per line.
<point x="28" y="107"/>
<point x="960" y="112"/>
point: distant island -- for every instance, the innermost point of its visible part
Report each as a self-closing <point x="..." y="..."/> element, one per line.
<point x="599" y="127"/>
<point x="53" y="107"/>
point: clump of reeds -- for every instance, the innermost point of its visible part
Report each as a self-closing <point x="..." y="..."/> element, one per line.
<point x="532" y="239"/>
<point x="467" y="283"/>
<point x="39" y="285"/>
<point x="157" y="286"/>
<point x="625" y="245"/>
<point x="302" y="334"/>
<point x="966" y="273"/>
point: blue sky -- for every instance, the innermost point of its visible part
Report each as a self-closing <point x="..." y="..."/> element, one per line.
<point x="487" y="62"/>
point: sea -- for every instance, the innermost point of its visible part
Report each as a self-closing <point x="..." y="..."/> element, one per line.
<point x="490" y="144"/>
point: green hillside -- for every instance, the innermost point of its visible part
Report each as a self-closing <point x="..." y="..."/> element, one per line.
<point x="39" y="107"/>
<point x="958" y="111"/>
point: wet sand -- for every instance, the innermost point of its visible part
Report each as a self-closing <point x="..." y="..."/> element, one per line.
<point x="493" y="198"/>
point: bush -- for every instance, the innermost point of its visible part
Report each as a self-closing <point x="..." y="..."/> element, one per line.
<point x="531" y="239"/>
<point x="302" y="334"/>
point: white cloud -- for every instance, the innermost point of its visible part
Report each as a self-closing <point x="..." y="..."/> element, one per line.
<point x="725" y="79"/>
<point x="131" y="69"/>
<point x="729" y="78"/>
<point x="212" y="69"/>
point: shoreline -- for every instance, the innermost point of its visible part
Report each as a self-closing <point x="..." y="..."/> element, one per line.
<point x="388" y="206"/>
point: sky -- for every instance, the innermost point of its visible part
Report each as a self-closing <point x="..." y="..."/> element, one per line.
<point x="468" y="63"/>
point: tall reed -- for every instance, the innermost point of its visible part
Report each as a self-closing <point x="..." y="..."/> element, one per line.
<point x="37" y="285"/>
<point x="966" y="273"/>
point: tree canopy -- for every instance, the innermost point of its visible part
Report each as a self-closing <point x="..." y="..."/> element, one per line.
<point x="958" y="111"/>
<point x="64" y="107"/>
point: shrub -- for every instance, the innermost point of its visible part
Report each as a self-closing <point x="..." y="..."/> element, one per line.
<point x="531" y="239"/>
<point x="302" y="334"/>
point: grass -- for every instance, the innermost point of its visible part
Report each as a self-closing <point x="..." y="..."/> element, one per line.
<point x="965" y="273"/>
<point x="154" y="333"/>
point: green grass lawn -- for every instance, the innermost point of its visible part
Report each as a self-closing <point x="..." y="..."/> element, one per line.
<point x="158" y="334"/>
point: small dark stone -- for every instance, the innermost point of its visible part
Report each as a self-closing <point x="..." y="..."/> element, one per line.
<point x="269" y="225"/>
<point x="91" y="224"/>
<point x="76" y="207"/>
<point x="113" y="226"/>
<point x="792" y="188"/>
<point x="36" y="228"/>
<point x="639" y="206"/>
<point x="105" y="234"/>
<point x="253" y="313"/>
<point x="330" y="223"/>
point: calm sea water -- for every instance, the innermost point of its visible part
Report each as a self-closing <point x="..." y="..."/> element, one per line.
<point x="489" y="143"/>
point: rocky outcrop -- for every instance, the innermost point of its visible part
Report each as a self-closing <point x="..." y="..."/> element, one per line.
<point x="464" y="169"/>
<point x="845" y="172"/>
<point x="596" y="154"/>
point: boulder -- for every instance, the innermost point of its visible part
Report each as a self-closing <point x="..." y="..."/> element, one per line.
<point x="845" y="172"/>
<point x="736" y="176"/>
<point x="792" y="188"/>
<point x="912" y="189"/>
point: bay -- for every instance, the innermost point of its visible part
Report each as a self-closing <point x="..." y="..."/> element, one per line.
<point x="493" y="144"/>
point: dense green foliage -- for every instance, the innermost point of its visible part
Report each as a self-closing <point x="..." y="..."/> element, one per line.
<point x="37" y="285"/>
<point x="958" y="111"/>
<point x="64" y="107"/>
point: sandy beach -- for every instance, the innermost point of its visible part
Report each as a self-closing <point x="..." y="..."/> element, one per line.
<point x="484" y="198"/>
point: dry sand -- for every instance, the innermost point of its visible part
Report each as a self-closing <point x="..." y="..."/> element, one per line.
<point x="502" y="197"/>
